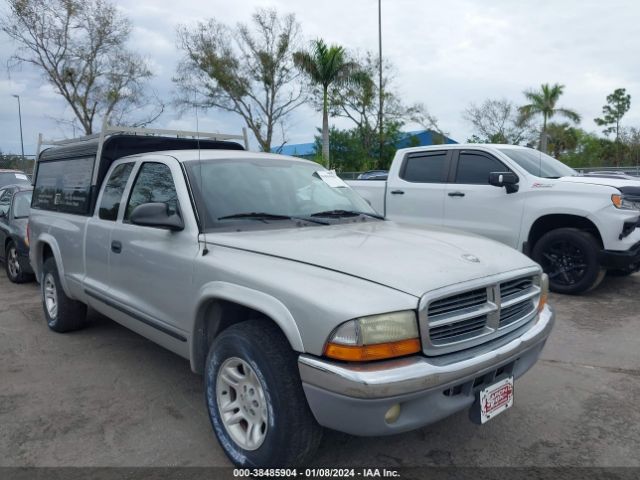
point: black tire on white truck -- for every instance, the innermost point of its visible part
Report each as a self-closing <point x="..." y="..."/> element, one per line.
<point x="570" y="257"/>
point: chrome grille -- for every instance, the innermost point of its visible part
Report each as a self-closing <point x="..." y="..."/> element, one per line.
<point x="516" y="286"/>
<point x="457" y="302"/>
<point x="511" y="314"/>
<point x="448" y="332"/>
<point x="454" y="319"/>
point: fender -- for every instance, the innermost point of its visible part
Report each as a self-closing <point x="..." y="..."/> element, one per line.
<point x="254" y="299"/>
<point x="53" y="244"/>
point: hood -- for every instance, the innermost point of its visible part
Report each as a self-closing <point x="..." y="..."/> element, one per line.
<point x="411" y="259"/>
<point x="607" y="182"/>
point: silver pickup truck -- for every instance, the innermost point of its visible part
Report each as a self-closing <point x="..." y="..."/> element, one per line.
<point x="301" y="307"/>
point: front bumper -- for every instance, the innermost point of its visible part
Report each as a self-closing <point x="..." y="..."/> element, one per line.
<point x="621" y="259"/>
<point x="354" y="398"/>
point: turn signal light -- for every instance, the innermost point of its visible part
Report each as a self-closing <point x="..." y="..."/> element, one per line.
<point x="364" y="353"/>
<point x="544" y="291"/>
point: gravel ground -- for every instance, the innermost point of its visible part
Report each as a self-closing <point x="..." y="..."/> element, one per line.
<point x="105" y="396"/>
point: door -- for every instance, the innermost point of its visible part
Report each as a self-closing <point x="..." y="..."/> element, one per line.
<point x="473" y="205"/>
<point x="98" y="237"/>
<point x="416" y="193"/>
<point x="151" y="269"/>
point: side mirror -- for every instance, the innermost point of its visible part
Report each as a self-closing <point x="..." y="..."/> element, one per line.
<point x="3" y="213"/>
<point x="156" y="215"/>
<point x="509" y="180"/>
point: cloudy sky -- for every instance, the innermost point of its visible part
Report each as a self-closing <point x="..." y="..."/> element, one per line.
<point x="446" y="55"/>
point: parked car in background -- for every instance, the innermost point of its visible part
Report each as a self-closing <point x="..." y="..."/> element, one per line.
<point x="604" y="174"/>
<point x="257" y="268"/>
<point x="15" y="201"/>
<point x="374" y="175"/>
<point x="13" y="177"/>
<point x="576" y="227"/>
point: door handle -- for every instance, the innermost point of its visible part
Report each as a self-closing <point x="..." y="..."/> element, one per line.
<point x="116" y="247"/>
<point x="456" y="194"/>
<point x="397" y="192"/>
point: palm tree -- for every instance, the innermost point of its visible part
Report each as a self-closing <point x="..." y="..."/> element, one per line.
<point x="327" y="65"/>
<point x="543" y="102"/>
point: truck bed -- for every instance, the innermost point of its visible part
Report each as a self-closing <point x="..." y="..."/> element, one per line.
<point x="373" y="191"/>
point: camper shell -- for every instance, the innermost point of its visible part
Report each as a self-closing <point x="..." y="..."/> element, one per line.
<point x="86" y="160"/>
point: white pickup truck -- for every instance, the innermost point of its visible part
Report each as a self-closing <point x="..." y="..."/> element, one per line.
<point x="576" y="227"/>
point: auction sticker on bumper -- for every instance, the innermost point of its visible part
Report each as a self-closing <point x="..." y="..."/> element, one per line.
<point x="495" y="399"/>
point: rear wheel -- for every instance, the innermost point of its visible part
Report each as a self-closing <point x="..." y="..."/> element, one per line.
<point x="255" y="400"/>
<point x="570" y="257"/>
<point x="14" y="270"/>
<point x="62" y="313"/>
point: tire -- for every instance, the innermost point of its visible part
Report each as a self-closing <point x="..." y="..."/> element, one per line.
<point x="255" y="353"/>
<point x="570" y="257"/>
<point x="62" y="313"/>
<point x="12" y="266"/>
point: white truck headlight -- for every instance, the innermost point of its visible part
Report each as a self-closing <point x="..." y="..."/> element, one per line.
<point x="375" y="337"/>
<point x="624" y="203"/>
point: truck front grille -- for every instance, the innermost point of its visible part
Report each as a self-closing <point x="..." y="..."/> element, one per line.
<point x="455" y="320"/>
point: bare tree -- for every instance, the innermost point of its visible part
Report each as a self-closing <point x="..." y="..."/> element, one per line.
<point x="498" y="121"/>
<point x="246" y="70"/>
<point x="79" y="45"/>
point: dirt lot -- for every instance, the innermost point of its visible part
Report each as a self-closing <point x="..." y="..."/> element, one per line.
<point x="105" y="396"/>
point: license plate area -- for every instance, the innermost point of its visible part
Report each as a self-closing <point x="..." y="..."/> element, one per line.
<point x="494" y="399"/>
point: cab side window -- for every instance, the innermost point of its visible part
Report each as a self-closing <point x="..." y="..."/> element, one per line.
<point x="112" y="195"/>
<point x="425" y="167"/>
<point x="474" y="168"/>
<point x="153" y="184"/>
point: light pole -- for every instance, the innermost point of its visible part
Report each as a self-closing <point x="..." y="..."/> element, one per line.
<point x="21" y="140"/>
<point x="380" y="81"/>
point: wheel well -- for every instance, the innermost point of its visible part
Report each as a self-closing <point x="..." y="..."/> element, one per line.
<point x="213" y="318"/>
<point x="551" y="222"/>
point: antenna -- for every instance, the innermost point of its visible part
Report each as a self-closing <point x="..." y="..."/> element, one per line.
<point x="205" y="250"/>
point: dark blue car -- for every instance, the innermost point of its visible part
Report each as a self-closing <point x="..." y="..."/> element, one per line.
<point x="15" y="201"/>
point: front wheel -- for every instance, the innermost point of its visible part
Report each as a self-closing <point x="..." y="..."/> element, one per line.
<point x="14" y="270"/>
<point x="255" y="399"/>
<point x="570" y="257"/>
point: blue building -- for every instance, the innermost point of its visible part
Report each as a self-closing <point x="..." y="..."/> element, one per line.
<point x="416" y="138"/>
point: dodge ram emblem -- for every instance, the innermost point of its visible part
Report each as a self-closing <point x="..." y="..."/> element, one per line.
<point x="471" y="258"/>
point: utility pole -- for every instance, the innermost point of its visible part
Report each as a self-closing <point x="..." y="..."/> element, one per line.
<point x="21" y="140"/>
<point x="380" y="82"/>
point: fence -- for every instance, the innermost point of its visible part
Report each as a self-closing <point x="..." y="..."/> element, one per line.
<point x="18" y="162"/>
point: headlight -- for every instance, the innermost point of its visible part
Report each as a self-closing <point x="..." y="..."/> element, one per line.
<point x="543" y="283"/>
<point x="624" y="203"/>
<point x="375" y="337"/>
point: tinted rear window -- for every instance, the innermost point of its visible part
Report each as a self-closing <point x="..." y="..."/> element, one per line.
<point x="426" y="168"/>
<point x="64" y="185"/>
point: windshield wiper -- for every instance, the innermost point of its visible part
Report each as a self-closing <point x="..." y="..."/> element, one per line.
<point x="269" y="216"/>
<point x="345" y="213"/>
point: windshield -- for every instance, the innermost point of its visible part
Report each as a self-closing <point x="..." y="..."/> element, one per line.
<point x="13" y="178"/>
<point x="227" y="190"/>
<point x="21" y="204"/>
<point x="538" y="163"/>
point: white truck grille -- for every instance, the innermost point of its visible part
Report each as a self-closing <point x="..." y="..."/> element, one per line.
<point x="455" y="320"/>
